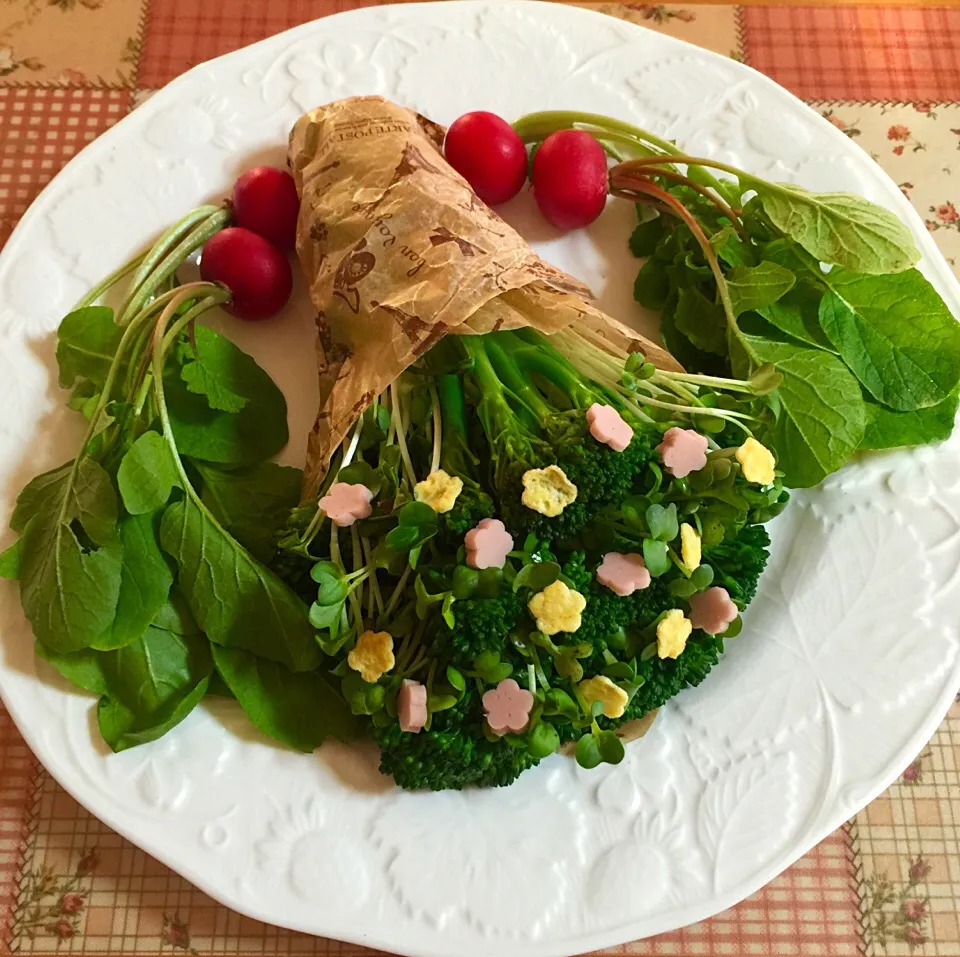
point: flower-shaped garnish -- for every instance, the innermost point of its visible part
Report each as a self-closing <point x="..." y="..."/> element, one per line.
<point x="623" y="574"/>
<point x="602" y="689"/>
<point x="488" y="544"/>
<point x="345" y="503"/>
<point x="507" y="707"/>
<point x="547" y="491"/>
<point x="557" y="608"/>
<point x="690" y="547"/>
<point x="683" y="451"/>
<point x="439" y="491"/>
<point x="372" y="655"/>
<point x="712" y="610"/>
<point x="672" y="634"/>
<point x="412" y="705"/>
<point x="607" y="425"/>
<point x="756" y="462"/>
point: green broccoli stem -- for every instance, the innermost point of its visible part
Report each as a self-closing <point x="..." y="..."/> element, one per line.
<point x="532" y="357"/>
<point x="494" y="409"/>
<point x="455" y="455"/>
<point x="510" y="375"/>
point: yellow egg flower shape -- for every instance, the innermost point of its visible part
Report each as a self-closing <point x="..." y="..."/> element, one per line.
<point x="690" y="550"/>
<point x="756" y="462"/>
<point x="557" y="608"/>
<point x="439" y="491"/>
<point x="547" y="491"/>
<point x="672" y="634"/>
<point x="602" y="689"/>
<point x="372" y="655"/>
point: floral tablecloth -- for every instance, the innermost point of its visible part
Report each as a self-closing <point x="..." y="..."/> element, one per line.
<point x="888" y="882"/>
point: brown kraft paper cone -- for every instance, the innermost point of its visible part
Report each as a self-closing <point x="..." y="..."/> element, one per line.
<point x="398" y="251"/>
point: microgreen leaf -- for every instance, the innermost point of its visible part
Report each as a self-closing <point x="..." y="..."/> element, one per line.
<point x="588" y="752"/>
<point x="662" y="522"/>
<point x="359" y="473"/>
<point x="610" y="747"/>
<point x="536" y="576"/>
<point x="655" y="557"/>
<point x="544" y="740"/>
<point x="558" y="702"/>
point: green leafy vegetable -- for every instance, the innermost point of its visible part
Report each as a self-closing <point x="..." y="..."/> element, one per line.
<point x="40" y="491"/>
<point x="211" y="369"/>
<point x="701" y="321"/>
<point x="756" y="287"/>
<point x="147" y="687"/>
<point x="796" y="313"/>
<point x="839" y="228"/>
<point x="69" y="592"/>
<point x="87" y="341"/>
<point x="10" y="562"/>
<point x="236" y="601"/>
<point x="896" y="334"/>
<point x="301" y="709"/>
<point x="822" y="418"/>
<point x="145" y="581"/>
<point x="243" y="437"/>
<point x="251" y="503"/>
<point x="887" y="429"/>
<point x="147" y="474"/>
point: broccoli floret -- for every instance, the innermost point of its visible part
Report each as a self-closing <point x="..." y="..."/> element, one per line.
<point x="737" y="564"/>
<point x="607" y="614"/>
<point x="453" y="754"/>
<point x="531" y="404"/>
<point x="666" y="677"/>
<point x="480" y="624"/>
<point x="600" y="474"/>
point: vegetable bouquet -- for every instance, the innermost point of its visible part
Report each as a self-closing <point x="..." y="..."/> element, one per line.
<point x="521" y="528"/>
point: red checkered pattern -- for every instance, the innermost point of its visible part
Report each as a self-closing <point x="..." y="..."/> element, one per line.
<point x="18" y="768"/>
<point x="182" y="33"/>
<point x="807" y="911"/>
<point x="39" y="131"/>
<point x="857" y="53"/>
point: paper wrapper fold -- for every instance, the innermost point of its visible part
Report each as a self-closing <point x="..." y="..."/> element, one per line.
<point x="398" y="252"/>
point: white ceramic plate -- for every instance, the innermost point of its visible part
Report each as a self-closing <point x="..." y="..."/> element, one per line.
<point x="849" y="656"/>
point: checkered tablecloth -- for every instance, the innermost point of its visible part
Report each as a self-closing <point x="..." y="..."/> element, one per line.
<point x="886" y="883"/>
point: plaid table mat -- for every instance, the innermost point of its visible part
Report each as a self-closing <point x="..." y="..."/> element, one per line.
<point x="886" y="883"/>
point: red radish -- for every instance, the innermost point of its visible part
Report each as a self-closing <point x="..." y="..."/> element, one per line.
<point x="253" y="269"/>
<point x="486" y="151"/>
<point x="265" y="200"/>
<point x="570" y="178"/>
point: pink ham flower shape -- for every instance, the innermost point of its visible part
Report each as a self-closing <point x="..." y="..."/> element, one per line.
<point x="623" y="574"/>
<point x="507" y="707"/>
<point x="712" y="610"/>
<point x="488" y="544"/>
<point x="345" y="503"/>
<point x="683" y="451"/>
<point x="607" y="425"/>
<point x="412" y="705"/>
